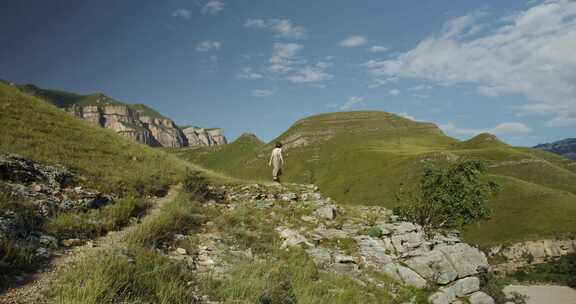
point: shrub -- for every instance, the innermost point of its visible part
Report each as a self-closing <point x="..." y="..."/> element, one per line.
<point x="448" y="197"/>
<point x="197" y="185"/>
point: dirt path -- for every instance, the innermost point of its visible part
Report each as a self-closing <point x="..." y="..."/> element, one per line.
<point x="32" y="291"/>
<point x="545" y="294"/>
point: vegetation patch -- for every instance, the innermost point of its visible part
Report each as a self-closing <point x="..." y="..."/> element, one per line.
<point x="559" y="271"/>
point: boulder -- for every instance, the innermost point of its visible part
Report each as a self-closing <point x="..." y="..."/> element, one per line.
<point x="404" y="275"/>
<point x="326" y="212"/>
<point x="480" y="297"/>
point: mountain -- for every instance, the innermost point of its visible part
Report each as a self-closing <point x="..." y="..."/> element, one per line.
<point x="44" y="133"/>
<point x="366" y="157"/>
<point x="565" y="147"/>
<point x="135" y="121"/>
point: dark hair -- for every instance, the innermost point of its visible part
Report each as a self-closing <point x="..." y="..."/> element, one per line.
<point x="278" y="144"/>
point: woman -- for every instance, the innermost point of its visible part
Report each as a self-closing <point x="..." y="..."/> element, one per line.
<point x="276" y="161"/>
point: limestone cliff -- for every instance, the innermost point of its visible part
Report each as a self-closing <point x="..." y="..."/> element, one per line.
<point x="135" y="121"/>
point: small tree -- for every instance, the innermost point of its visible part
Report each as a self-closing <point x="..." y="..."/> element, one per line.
<point x="448" y="197"/>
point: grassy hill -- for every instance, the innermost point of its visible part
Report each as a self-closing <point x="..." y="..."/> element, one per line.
<point x="364" y="157"/>
<point x="42" y="132"/>
<point x="63" y="99"/>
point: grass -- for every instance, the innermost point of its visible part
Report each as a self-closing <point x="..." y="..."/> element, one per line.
<point x="110" y="163"/>
<point x="291" y="277"/>
<point x="98" y="221"/>
<point x="134" y="275"/>
<point x="365" y="157"/>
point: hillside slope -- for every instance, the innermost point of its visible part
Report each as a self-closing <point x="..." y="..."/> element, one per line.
<point x="40" y="131"/>
<point x="365" y="157"/>
<point x="135" y="121"/>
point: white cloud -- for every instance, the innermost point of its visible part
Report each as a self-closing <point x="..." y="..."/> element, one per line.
<point x="394" y="92"/>
<point x="248" y="73"/>
<point x="213" y="7"/>
<point x="285" y="64"/>
<point x="352" y="101"/>
<point x="500" y="129"/>
<point x="529" y="53"/>
<point x="309" y="74"/>
<point x="181" y="13"/>
<point x="281" y="28"/>
<point x="353" y="41"/>
<point x="208" y="45"/>
<point x="408" y="116"/>
<point x="262" y="93"/>
<point x="377" y="49"/>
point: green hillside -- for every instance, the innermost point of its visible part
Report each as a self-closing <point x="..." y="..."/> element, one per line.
<point x="40" y="131"/>
<point x="364" y="157"/>
<point x="63" y="99"/>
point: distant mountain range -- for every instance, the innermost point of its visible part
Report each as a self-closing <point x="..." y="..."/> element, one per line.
<point x="565" y="147"/>
<point x="135" y="121"/>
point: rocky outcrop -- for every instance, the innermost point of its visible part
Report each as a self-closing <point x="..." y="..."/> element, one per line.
<point x="384" y="244"/>
<point x="152" y="131"/>
<point x="204" y="137"/>
<point x="507" y="258"/>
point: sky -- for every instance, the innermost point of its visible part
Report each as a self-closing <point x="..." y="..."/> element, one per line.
<point x="504" y="67"/>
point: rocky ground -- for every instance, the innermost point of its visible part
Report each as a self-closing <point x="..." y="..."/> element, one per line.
<point x="32" y="192"/>
<point x="359" y="242"/>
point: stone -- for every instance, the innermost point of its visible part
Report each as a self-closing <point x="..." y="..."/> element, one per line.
<point x="344" y="259"/>
<point x="326" y="212"/>
<point x="480" y="297"/>
<point x="404" y="274"/>
<point x="466" y="286"/>
<point x="440" y="297"/>
<point x="320" y="256"/>
<point x="48" y="241"/>
<point x="288" y="197"/>
<point x="181" y="251"/>
<point x="330" y="233"/>
<point x="466" y="259"/>
<point x="434" y="266"/>
<point x="376" y="251"/>
<point x="291" y="238"/>
<point x="72" y="242"/>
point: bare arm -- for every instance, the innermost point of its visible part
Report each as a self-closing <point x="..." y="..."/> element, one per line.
<point x="281" y="158"/>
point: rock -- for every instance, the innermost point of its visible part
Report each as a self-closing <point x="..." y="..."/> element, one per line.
<point x="404" y="274"/>
<point x="42" y="253"/>
<point x="330" y="233"/>
<point x="376" y="251"/>
<point x="181" y="251"/>
<point x="326" y="212"/>
<point x="291" y="238"/>
<point x="309" y="219"/>
<point x="48" y="241"/>
<point x="465" y="286"/>
<point x="72" y="242"/>
<point x="466" y="259"/>
<point x="320" y="256"/>
<point x="434" y="266"/>
<point x="440" y="297"/>
<point x="480" y="297"/>
<point x="288" y="197"/>
<point x="344" y="259"/>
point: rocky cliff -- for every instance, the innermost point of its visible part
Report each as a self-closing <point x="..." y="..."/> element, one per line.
<point x="135" y="121"/>
<point x="565" y="147"/>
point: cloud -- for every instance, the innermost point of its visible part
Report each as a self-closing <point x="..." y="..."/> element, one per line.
<point x="208" y="45"/>
<point x="262" y="93"/>
<point x="213" y="7"/>
<point x="181" y="13"/>
<point x="500" y="129"/>
<point x="407" y="116"/>
<point x="352" y="101"/>
<point x="285" y="63"/>
<point x="394" y="92"/>
<point x="353" y="41"/>
<point x="248" y="73"/>
<point x="377" y="49"/>
<point x="281" y="28"/>
<point x="309" y="74"/>
<point x="529" y="53"/>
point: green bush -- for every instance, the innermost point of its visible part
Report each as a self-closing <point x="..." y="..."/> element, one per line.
<point x="560" y="271"/>
<point x="448" y="197"/>
<point x="197" y="185"/>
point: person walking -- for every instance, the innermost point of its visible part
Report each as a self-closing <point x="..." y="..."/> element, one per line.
<point x="276" y="161"/>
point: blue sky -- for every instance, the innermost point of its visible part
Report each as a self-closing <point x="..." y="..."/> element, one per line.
<point x="505" y="67"/>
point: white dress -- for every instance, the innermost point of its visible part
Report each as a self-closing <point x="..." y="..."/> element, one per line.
<point x="276" y="161"/>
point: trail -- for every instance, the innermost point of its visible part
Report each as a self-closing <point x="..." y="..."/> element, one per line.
<point x="36" y="285"/>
